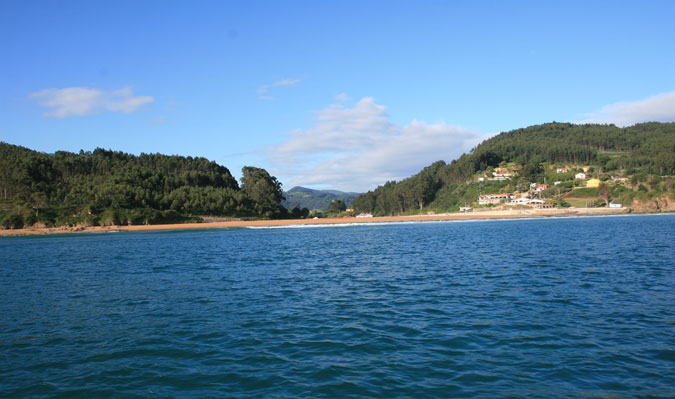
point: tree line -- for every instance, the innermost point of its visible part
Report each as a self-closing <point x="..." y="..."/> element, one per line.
<point x="110" y="187"/>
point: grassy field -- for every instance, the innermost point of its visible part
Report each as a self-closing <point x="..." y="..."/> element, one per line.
<point x="579" y="202"/>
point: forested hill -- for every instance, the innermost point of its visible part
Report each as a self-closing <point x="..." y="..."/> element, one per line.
<point x="107" y="187"/>
<point x="319" y="200"/>
<point x="647" y="148"/>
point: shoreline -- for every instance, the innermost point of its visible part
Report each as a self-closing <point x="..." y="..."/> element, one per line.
<point x="475" y="215"/>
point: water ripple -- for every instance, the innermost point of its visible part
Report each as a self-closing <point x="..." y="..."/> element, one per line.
<point x="528" y="308"/>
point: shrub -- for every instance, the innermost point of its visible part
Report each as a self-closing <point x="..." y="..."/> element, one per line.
<point x="13" y="221"/>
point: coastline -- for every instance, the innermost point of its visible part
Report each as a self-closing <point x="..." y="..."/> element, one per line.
<point x="476" y="214"/>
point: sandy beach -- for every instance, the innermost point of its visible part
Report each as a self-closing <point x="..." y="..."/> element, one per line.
<point x="476" y="214"/>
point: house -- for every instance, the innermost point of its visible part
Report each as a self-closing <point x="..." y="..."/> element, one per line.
<point x="593" y="183"/>
<point x="617" y="179"/>
<point x="501" y="176"/>
<point x="561" y="170"/>
<point x="555" y="183"/>
<point x="465" y="209"/>
<point x="585" y="168"/>
<point x="580" y="176"/>
<point x="527" y="202"/>
<point x="501" y="171"/>
<point x="481" y="179"/>
<point x="538" y="187"/>
<point x="613" y="205"/>
<point x="491" y="199"/>
<point x="364" y="215"/>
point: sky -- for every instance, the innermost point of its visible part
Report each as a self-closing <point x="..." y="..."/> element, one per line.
<point x="341" y="95"/>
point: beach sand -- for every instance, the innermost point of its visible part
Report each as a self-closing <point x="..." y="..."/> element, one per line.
<point x="476" y="214"/>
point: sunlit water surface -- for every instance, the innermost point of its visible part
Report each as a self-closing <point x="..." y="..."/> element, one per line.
<point x="542" y="308"/>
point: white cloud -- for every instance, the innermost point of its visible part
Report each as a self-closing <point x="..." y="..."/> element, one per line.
<point x="359" y="148"/>
<point x="82" y="101"/>
<point x="342" y="97"/>
<point x="263" y="89"/>
<point x="659" y="108"/>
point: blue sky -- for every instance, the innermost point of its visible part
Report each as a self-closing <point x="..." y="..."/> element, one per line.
<point x="342" y="95"/>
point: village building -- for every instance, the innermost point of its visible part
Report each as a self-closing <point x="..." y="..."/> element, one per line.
<point x="580" y="176"/>
<point x="492" y="199"/>
<point x="501" y="174"/>
<point x="533" y="202"/>
<point x="538" y="187"/>
<point x="561" y="170"/>
<point x="555" y="183"/>
<point x="593" y="183"/>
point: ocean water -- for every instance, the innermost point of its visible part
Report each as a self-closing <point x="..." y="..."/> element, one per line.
<point x="545" y="308"/>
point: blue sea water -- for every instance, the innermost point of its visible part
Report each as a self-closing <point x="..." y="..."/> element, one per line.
<point x="541" y="308"/>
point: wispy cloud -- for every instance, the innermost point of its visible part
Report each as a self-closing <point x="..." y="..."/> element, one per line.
<point x="81" y="101"/>
<point x="263" y="89"/>
<point x="342" y="97"/>
<point x="659" y="108"/>
<point x="358" y="148"/>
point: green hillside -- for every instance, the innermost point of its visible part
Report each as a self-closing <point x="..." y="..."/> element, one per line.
<point x="106" y="187"/>
<point x="318" y="200"/>
<point x="645" y="153"/>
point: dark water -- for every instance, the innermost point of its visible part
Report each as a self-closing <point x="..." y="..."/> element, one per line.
<point x="528" y="308"/>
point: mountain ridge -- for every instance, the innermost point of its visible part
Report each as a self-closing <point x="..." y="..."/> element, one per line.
<point x="312" y="199"/>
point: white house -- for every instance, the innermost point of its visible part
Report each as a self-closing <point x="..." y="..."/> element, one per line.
<point x="494" y="198"/>
<point x="526" y="201"/>
<point x="580" y="176"/>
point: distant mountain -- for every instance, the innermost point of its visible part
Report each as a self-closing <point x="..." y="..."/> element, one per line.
<point x="303" y="197"/>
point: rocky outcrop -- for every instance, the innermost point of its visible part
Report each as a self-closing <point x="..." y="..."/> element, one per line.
<point x="658" y="204"/>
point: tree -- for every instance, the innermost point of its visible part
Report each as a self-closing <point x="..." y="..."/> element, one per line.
<point x="297" y="213"/>
<point x="39" y="199"/>
<point x="532" y="170"/>
<point x="262" y="189"/>
<point x="603" y="192"/>
<point x="654" y="182"/>
<point x="336" y="206"/>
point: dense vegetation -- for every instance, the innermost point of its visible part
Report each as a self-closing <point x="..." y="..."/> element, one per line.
<point x="645" y="151"/>
<point x="318" y="200"/>
<point x="106" y="187"/>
